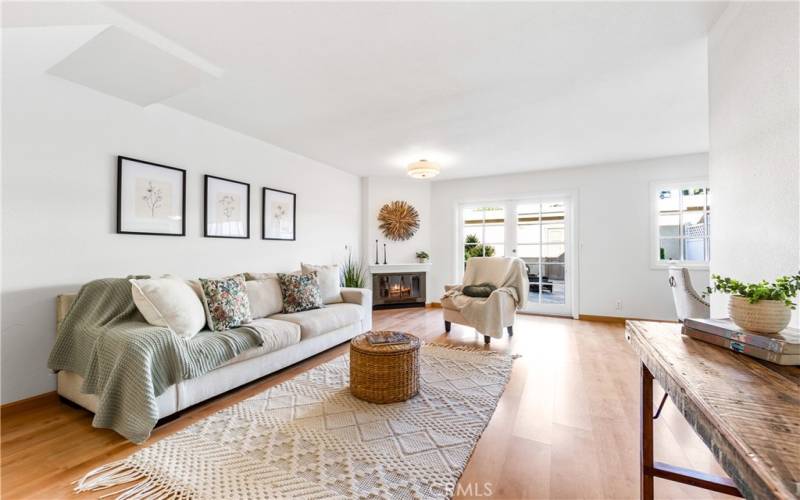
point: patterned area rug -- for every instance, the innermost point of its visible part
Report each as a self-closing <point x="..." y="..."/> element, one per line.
<point x="310" y="438"/>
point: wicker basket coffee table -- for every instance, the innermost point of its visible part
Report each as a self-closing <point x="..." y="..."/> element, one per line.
<point x="384" y="373"/>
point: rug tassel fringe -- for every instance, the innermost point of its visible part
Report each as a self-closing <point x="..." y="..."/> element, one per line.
<point x="119" y="473"/>
<point x="144" y="489"/>
<point x="106" y="476"/>
<point x="150" y="489"/>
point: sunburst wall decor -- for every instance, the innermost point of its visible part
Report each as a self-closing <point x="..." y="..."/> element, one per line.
<point x="399" y="220"/>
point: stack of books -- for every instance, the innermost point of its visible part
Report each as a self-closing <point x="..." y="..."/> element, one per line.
<point x="782" y="348"/>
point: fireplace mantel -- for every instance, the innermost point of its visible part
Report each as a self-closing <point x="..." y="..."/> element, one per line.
<point x="399" y="268"/>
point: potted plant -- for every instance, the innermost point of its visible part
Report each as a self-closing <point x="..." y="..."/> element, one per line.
<point x="761" y="307"/>
<point x="422" y="256"/>
<point x="352" y="272"/>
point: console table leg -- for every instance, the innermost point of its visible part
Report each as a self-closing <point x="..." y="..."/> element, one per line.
<point x="646" y="438"/>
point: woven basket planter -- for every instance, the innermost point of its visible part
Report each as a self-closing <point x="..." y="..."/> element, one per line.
<point x="765" y="316"/>
<point x="384" y="373"/>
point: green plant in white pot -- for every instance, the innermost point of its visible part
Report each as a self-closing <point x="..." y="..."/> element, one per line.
<point x="422" y="256"/>
<point x="759" y="307"/>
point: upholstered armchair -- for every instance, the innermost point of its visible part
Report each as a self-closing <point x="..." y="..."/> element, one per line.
<point x="490" y="315"/>
<point x="688" y="303"/>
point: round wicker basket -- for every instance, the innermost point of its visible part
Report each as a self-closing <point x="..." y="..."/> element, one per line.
<point x="384" y="373"/>
<point x="765" y="316"/>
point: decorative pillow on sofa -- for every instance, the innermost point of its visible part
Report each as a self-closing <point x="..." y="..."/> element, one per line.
<point x="169" y="302"/>
<point x="483" y="290"/>
<point x="265" y="297"/>
<point x="226" y="302"/>
<point x="329" y="287"/>
<point x="300" y="292"/>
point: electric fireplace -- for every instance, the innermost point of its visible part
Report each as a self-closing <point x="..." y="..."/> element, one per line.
<point x="403" y="289"/>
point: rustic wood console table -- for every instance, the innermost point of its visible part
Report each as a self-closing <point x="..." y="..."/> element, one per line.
<point x="746" y="411"/>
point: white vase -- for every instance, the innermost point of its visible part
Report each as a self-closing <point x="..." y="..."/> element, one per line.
<point x="765" y="316"/>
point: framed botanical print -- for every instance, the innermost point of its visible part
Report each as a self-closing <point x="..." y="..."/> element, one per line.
<point x="278" y="215"/>
<point x="227" y="211"/>
<point x="151" y="198"/>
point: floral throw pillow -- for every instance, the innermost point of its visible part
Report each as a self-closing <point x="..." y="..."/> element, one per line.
<point x="300" y="292"/>
<point x="226" y="302"/>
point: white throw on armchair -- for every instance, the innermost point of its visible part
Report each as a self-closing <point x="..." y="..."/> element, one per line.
<point x="490" y="315"/>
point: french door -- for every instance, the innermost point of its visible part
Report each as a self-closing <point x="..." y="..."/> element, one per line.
<point x="542" y="233"/>
<point x="535" y="230"/>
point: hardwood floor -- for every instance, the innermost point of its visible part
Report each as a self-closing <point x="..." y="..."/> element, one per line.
<point x="567" y="425"/>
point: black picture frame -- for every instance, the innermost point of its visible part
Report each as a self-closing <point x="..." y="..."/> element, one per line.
<point x="264" y="214"/>
<point x="206" y="234"/>
<point x="120" y="229"/>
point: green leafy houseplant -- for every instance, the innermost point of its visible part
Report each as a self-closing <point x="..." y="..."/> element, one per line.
<point x="761" y="307"/>
<point x="422" y="256"/>
<point x="352" y="272"/>
<point x="783" y="289"/>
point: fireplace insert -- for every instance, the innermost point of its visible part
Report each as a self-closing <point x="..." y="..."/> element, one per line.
<point x="398" y="290"/>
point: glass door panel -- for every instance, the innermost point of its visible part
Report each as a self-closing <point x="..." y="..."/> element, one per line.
<point x="483" y="229"/>
<point x="529" y="253"/>
<point x="542" y="231"/>
<point x="554" y="252"/>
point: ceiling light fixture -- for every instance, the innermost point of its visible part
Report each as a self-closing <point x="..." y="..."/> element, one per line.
<point x="423" y="169"/>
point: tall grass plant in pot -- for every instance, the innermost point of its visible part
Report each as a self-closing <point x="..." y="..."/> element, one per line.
<point x="353" y="272"/>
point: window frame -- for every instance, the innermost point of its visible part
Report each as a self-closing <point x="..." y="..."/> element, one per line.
<point x="482" y="236"/>
<point x="655" y="237"/>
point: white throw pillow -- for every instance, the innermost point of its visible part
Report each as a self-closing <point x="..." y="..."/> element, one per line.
<point x="260" y="276"/>
<point x="196" y="287"/>
<point x="169" y="302"/>
<point x="264" y="296"/>
<point x="329" y="287"/>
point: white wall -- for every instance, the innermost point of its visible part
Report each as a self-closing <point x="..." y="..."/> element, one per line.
<point x="382" y="190"/>
<point x="378" y="191"/>
<point x="613" y="228"/>
<point x="60" y="142"/>
<point x="754" y="157"/>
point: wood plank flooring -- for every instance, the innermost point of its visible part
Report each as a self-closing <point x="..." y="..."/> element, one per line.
<point x="566" y="426"/>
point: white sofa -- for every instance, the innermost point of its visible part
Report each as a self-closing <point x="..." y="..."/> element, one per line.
<point x="292" y="338"/>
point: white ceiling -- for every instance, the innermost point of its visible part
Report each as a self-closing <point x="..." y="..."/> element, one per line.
<point x="483" y="88"/>
<point x="121" y="64"/>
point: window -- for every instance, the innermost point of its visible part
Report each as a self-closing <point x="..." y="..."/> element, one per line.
<point x="682" y="224"/>
<point x="483" y="230"/>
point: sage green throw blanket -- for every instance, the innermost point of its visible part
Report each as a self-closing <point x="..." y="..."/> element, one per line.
<point x="126" y="362"/>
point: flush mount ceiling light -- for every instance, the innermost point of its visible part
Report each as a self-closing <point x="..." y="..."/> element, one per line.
<point x="423" y="169"/>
